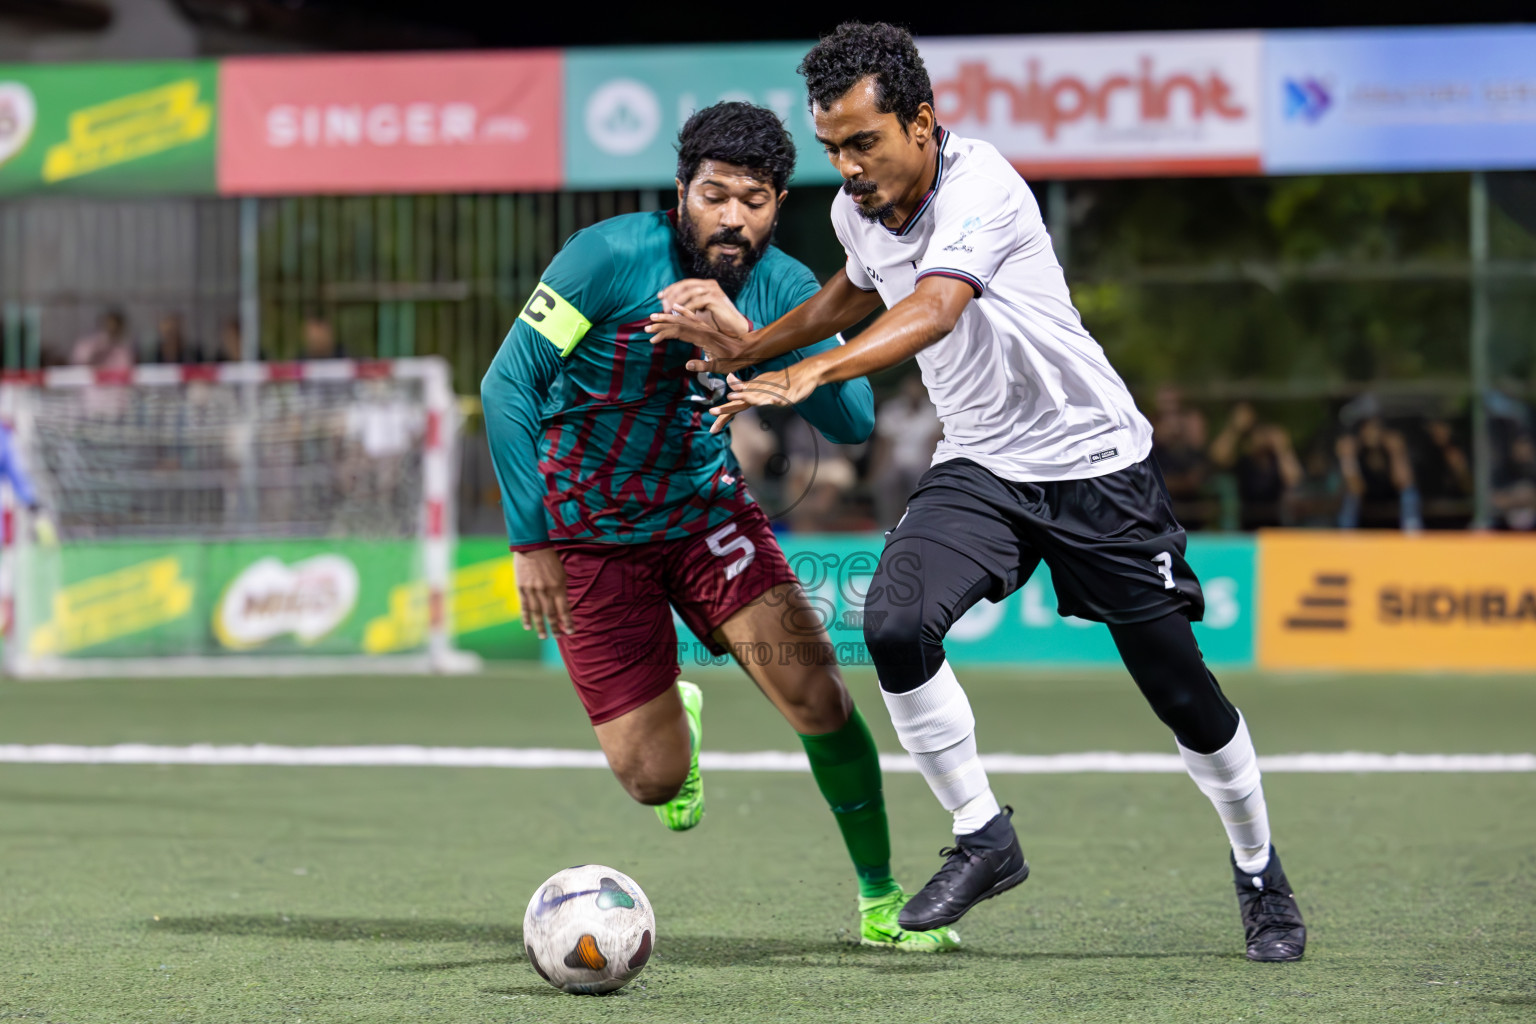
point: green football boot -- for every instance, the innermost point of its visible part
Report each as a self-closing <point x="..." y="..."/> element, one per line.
<point x="878" y="927"/>
<point x="686" y="809"/>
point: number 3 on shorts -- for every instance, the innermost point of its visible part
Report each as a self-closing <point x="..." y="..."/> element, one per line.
<point x="723" y="548"/>
<point x="1165" y="568"/>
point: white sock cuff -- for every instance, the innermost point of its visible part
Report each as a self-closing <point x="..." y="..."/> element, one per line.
<point x="1230" y="773"/>
<point x="932" y="717"/>
<point x="974" y="814"/>
<point x="960" y="785"/>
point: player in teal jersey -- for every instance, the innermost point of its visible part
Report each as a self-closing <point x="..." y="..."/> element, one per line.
<point x="621" y="505"/>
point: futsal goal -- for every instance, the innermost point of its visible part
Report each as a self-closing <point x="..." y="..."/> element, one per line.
<point x="238" y="518"/>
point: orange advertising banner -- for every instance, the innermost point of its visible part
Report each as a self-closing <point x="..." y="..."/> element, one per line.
<point x="460" y="122"/>
<point x="1376" y="600"/>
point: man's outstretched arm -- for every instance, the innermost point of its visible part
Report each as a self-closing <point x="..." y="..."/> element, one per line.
<point x="910" y="326"/>
<point x="837" y="306"/>
<point x="512" y="395"/>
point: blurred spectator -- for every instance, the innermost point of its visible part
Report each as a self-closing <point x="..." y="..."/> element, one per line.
<point x="1514" y="492"/>
<point x="823" y="487"/>
<point x="1263" y="465"/>
<point x="907" y="429"/>
<point x="1179" y="445"/>
<point x="1168" y="406"/>
<point x="1315" y="501"/>
<point x="171" y="344"/>
<point x="231" y="342"/>
<point x="1444" y="479"/>
<point x="319" y="339"/>
<point x="1379" y="491"/>
<point x="107" y="348"/>
<point x="754" y="444"/>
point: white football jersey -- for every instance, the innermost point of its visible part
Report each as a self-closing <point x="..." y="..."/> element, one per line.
<point x="1021" y="386"/>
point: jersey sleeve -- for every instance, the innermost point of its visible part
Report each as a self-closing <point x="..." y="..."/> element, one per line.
<point x="576" y="291"/>
<point x="512" y="397"/>
<point x="853" y="266"/>
<point x="844" y="412"/>
<point x="975" y="228"/>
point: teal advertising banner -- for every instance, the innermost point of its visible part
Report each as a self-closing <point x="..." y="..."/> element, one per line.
<point x="624" y="106"/>
<point x="1024" y="629"/>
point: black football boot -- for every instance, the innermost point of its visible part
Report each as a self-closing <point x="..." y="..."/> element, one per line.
<point x="978" y="867"/>
<point x="1271" y="920"/>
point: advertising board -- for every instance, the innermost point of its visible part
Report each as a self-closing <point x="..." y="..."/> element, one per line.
<point x="624" y="106"/>
<point x="463" y="122"/>
<point x="1420" y="99"/>
<point x="108" y="128"/>
<point x="1385" y="601"/>
<point x="1023" y="629"/>
<point x="1148" y="104"/>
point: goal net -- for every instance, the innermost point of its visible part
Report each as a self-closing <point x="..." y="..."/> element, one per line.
<point x="245" y="517"/>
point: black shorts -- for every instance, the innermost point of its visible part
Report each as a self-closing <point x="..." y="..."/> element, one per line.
<point x="1115" y="550"/>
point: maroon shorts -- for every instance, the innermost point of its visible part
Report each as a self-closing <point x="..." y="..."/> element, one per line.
<point x="624" y="651"/>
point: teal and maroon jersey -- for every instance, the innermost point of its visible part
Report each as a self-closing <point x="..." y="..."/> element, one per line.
<point x="597" y="434"/>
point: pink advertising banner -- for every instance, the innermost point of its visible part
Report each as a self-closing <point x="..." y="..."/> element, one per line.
<point x="460" y="122"/>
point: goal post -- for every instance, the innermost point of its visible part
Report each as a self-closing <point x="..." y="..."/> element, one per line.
<point x="235" y="518"/>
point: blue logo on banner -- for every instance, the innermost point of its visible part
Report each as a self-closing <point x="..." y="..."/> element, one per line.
<point x="1306" y="98"/>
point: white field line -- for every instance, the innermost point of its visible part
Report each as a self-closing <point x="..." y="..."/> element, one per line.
<point x="718" y="761"/>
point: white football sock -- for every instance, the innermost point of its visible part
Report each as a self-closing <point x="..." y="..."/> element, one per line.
<point x="936" y="726"/>
<point x="1230" y="778"/>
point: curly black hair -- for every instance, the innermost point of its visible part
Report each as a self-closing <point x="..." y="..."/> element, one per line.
<point x="736" y="133"/>
<point x="855" y="51"/>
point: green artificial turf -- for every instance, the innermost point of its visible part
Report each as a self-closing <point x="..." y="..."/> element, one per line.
<point x="207" y="894"/>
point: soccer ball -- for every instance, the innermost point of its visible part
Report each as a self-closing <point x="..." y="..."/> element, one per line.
<point x="589" y="929"/>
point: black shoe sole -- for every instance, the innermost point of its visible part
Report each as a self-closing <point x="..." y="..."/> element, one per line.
<point x="997" y="890"/>
<point x="1276" y="959"/>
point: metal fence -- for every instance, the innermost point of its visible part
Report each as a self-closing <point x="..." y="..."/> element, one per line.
<point x="64" y="262"/>
<point x="395" y="276"/>
<point x="370" y="276"/>
<point x="1302" y="337"/>
<point x="387" y="276"/>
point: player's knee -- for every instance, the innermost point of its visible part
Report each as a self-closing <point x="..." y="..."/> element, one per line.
<point x="821" y="706"/>
<point x="651" y="779"/>
<point x="891" y="632"/>
<point x="905" y="647"/>
<point x="1175" y="707"/>
<point x="649" y="789"/>
<point x="1200" y="717"/>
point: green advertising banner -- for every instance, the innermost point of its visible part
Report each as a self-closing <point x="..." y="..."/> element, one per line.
<point x="132" y="599"/>
<point x="108" y="128"/>
<point x="1023" y="629"/>
<point x="624" y="106"/>
<point x="486" y="613"/>
<point x="147" y="599"/>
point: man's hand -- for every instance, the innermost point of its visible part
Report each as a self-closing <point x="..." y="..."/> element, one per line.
<point x="781" y="387"/>
<point x="540" y="582"/>
<point x="727" y="351"/>
<point x="701" y="295"/>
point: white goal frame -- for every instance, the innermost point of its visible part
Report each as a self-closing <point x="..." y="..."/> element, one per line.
<point x="436" y="522"/>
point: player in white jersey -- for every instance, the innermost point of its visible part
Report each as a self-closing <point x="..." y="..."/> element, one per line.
<point x="1045" y="458"/>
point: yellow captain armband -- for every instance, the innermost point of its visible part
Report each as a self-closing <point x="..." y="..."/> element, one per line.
<point x="561" y="323"/>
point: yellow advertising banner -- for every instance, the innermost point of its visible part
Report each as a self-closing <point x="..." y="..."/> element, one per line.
<point x="1377" y="600"/>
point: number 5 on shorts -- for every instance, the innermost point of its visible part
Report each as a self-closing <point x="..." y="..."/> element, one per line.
<point x="722" y="548"/>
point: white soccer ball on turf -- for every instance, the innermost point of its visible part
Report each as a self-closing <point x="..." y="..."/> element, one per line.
<point x="589" y="929"/>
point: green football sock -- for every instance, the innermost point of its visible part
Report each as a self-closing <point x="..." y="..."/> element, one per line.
<point x="847" y="769"/>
